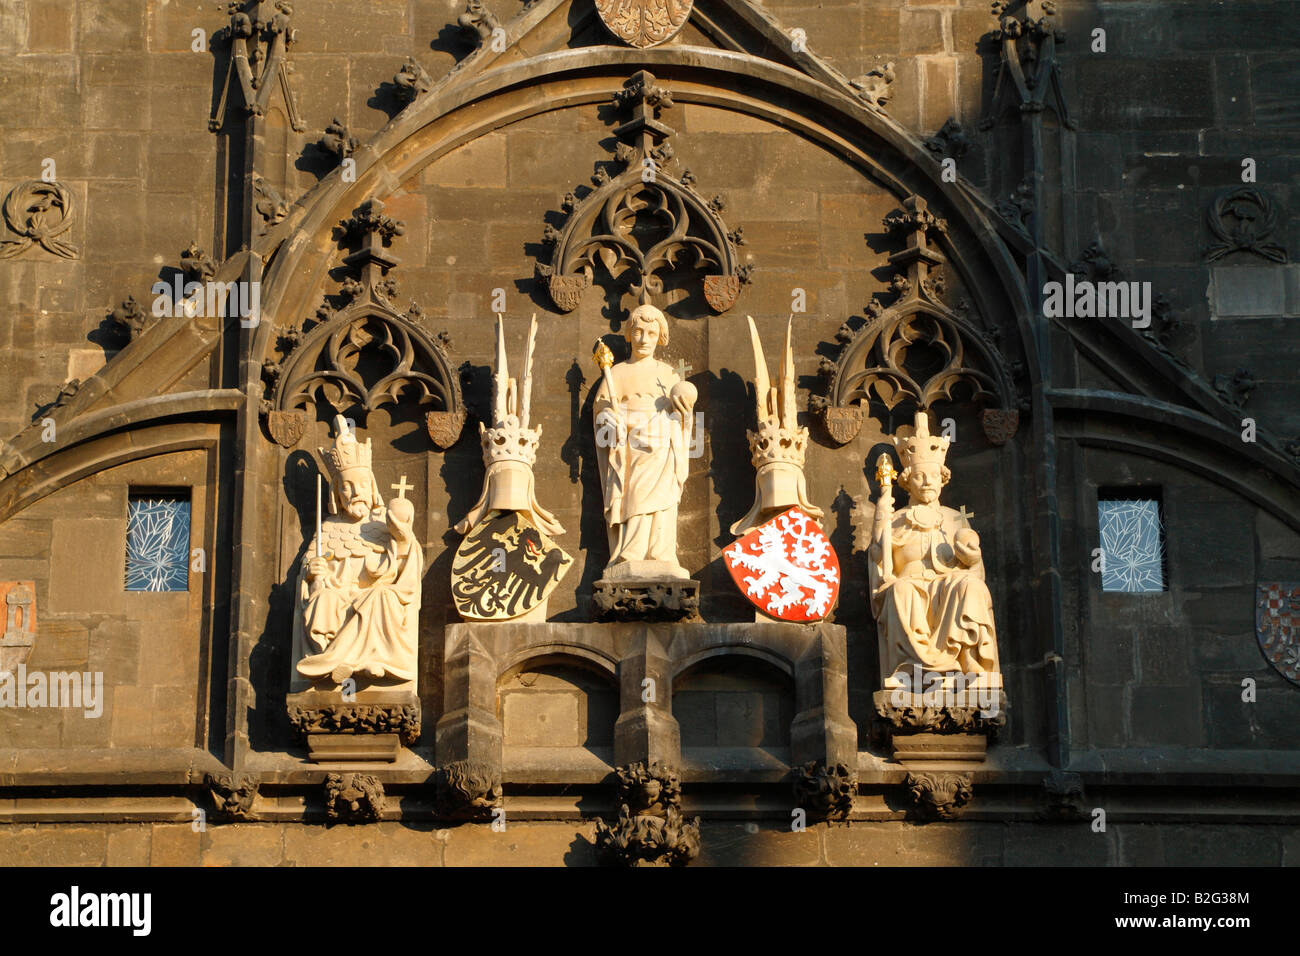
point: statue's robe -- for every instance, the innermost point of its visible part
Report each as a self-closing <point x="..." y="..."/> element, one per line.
<point x="363" y="614"/>
<point x="937" y="615"/>
<point x="642" y="478"/>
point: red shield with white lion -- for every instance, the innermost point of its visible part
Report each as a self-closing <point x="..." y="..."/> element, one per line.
<point x="787" y="568"/>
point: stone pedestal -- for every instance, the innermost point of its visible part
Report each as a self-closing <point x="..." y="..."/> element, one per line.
<point x="370" y="727"/>
<point x="927" y="727"/>
<point x="650" y="599"/>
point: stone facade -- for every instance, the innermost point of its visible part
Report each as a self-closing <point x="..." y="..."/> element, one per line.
<point x="1157" y="707"/>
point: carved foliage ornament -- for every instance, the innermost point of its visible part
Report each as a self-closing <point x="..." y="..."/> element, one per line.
<point x="353" y="797"/>
<point x="918" y="350"/>
<point x="642" y="222"/>
<point x="825" y="792"/>
<point x="651" y="830"/>
<point x="467" y="790"/>
<point x="1028" y="63"/>
<point x="644" y="23"/>
<point x="37" y="213"/>
<point x="939" y="795"/>
<point x="1242" y="220"/>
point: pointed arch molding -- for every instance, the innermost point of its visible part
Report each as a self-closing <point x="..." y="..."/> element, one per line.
<point x="463" y="107"/>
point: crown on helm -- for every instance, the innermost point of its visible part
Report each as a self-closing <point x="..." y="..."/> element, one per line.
<point x="347" y="452"/>
<point x="921" y="447"/>
<point x="508" y="437"/>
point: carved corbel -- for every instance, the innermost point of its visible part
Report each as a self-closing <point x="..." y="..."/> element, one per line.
<point x="478" y="20"/>
<point x="468" y="790"/>
<point x="1064" y="796"/>
<point x="129" y="319"/>
<point x="197" y="265"/>
<point x="939" y="795"/>
<point x="338" y="140"/>
<point x="826" y="792"/>
<point x="232" y="794"/>
<point x="353" y="797"/>
<point x="872" y="87"/>
<point x="650" y="830"/>
<point x="951" y="141"/>
<point x="412" y="80"/>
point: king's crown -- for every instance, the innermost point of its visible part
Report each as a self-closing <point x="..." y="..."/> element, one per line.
<point x="347" y="451"/>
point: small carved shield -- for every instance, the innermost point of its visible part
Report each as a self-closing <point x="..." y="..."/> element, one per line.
<point x="644" y="23"/>
<point x="505" y="568"/>
<point x="1277" y="626"/>
<point x="786" y="567"/>
<point x="721" y="291"/>
<point x="1000" y="424"/>
<point x="843" y="422"/>
<point x="286" y="428"/>
<point x="444" y="427"/>
<point x="566" y="291"/>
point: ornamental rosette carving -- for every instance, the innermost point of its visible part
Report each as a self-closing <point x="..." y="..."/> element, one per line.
<point x="939" y="795"/>
<point x="232" y="794"/>
<point x="826" y="792"/>
<point x="650" y="830"/>
<point x="468" y="790"/>
<point x="353" y="797"/>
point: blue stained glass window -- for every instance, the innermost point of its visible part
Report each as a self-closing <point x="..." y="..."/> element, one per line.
<point x="1132" y="545"/>
<point x="158" y="543"/>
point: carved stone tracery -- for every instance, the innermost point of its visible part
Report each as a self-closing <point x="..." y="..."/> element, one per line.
<point x="643" y="221"/>
<point x="325" y="362"/>
<point x="876" y="361"/>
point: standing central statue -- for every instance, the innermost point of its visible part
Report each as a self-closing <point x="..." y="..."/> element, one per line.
<point x="643" y="414"/>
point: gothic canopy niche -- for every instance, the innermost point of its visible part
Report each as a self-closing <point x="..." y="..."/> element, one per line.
<point x="366" y="354"/>
<point x="643" y="221"/>
<point x="918" y="350"/>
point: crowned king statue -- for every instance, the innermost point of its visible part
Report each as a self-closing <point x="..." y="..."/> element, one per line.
<point x="359" y="590"/>
<point x="933" y="611"/>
